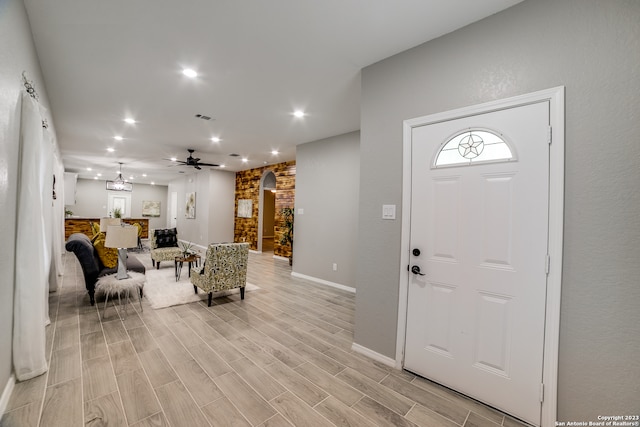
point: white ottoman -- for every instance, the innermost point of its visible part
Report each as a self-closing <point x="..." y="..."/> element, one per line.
<point x="111" y="286"/>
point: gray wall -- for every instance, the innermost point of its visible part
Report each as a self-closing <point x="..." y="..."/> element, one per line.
<point x="91" y="200"/>
<point x="17" y="54"/>
<point x="327" y="176"/>
<point x="593" y="48"/>
<point x="222" y="202"/>
<point x="215" y="206"/>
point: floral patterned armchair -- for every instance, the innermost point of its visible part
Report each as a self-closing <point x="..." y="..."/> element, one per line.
<point x="225" y="267"/>
<point x="164" y="246"/>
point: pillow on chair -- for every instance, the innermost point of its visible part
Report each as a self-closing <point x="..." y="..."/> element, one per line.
<point x="108" y="256"/>
<point x="166" y="238"/>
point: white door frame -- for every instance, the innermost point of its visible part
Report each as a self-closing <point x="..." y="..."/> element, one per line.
<point x="172" y="210"/>
<point x="555" y="96"/>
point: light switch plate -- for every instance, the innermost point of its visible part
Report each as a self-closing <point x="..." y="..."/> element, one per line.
<point x="388" y="211"/>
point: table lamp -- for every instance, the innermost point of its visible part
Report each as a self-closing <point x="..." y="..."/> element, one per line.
<point x="106" y="221"/>
<point x="121" y="237"/>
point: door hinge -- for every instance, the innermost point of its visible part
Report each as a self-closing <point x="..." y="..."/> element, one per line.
<point x="549" y="134"/>
<point x="541" y="392"/>
<point x="547" y="263"/>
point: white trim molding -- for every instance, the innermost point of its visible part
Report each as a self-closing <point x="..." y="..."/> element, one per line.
<point x="385" y="360"/>
<point x="6" y="394"/>
<point x="555" y="97"/>
<point x="324" y="282"/>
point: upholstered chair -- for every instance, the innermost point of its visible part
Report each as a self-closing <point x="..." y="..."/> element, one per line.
<point x="139" y="227"/>
<point x="164" y="246"/>
<point x="95" y="228"/>
<point x="225" y="267"/>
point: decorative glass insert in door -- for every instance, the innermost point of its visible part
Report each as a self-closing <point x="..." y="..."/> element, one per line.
<point x="474" y="146"/>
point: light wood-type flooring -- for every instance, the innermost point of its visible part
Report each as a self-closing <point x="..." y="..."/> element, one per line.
<point x="281" y="357"/>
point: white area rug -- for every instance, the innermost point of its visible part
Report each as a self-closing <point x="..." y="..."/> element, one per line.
<point x="162" y="290"/>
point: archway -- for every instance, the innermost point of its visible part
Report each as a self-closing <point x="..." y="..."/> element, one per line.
<point x="267" y="212"/>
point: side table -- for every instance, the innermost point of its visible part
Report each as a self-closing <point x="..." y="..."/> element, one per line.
<point x="191" y="259"/>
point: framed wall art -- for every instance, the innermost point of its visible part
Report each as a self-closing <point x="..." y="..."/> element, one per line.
<point x="190" y="207"/>
<point x="244" y="208"/>
<point x="150" y="208"/>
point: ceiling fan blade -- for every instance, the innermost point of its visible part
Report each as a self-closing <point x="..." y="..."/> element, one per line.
<point x="196" y="160"/>
<point x="197" y="167"/>
<point x="207" y="164"/>
<point x="176" y="162"/>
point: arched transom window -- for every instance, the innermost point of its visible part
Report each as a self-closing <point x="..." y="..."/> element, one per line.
<point x="474" y="146"/>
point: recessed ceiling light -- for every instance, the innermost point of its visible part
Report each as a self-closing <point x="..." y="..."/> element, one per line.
<point x="130" y="121"/>
<point x="298" y="113"/>
<point x="89" y="169"/>
<point x="118" y="138"/>
<point x="99" y="174"/>
<point x="153" y="183"/>
<point x="223" y="166"/>
<point x="95" y="177"/>
<point x="190" y="73"/>
<point x="245" y="160"/>
<point x="111" y="150"/>
<point x="144" y="174"/>
<point x="130" y="177"/>
<point x="173" y="159"/>
<point x="216" y="139"/>
<point x="274" y="152"/>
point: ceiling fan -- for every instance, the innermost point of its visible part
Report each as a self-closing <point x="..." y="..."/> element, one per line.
<point x="192" y="161"/>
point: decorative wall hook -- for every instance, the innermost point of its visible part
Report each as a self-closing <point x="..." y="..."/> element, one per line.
<point x="28" y="86"/>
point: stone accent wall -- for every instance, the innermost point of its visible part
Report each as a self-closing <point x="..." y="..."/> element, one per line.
<point x="248" y="187"/>
<point x="81" y="225"/>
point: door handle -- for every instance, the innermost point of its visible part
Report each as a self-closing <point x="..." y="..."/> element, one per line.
<point x="416" y="270"/>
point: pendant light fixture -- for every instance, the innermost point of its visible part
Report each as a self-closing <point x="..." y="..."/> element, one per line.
<point x="119" y="184"/>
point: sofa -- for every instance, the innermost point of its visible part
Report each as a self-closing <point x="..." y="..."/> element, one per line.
<point x="164" y="246"/>
<point x="92" y="266"/>
<point x="225" y="267"/>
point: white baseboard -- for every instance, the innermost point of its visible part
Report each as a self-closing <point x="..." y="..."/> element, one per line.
<point x="193" y="245"/>
<point x="6" y="394"/>
<point x="253" y="251"/>
<point x="324" y="282"/>
<point x="283" y="258"/>
<point x="385" y="360"/>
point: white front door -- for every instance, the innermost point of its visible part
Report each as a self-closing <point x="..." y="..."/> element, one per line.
<point x="119" y="200"/>
<point x="476" y="307"/>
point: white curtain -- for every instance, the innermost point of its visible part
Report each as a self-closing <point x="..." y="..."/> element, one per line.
<point x="57" y="225"/>
<point x="29" y="309"/>
<point x="45" y="172"/>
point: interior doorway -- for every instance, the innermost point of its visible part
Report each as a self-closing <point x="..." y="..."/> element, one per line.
<point x="173" y="209"/>
<point x="268" y="219"/>
<point x="267" y="215"/>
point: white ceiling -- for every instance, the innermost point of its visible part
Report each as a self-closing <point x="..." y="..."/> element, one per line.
<point x="258" y="61"/>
